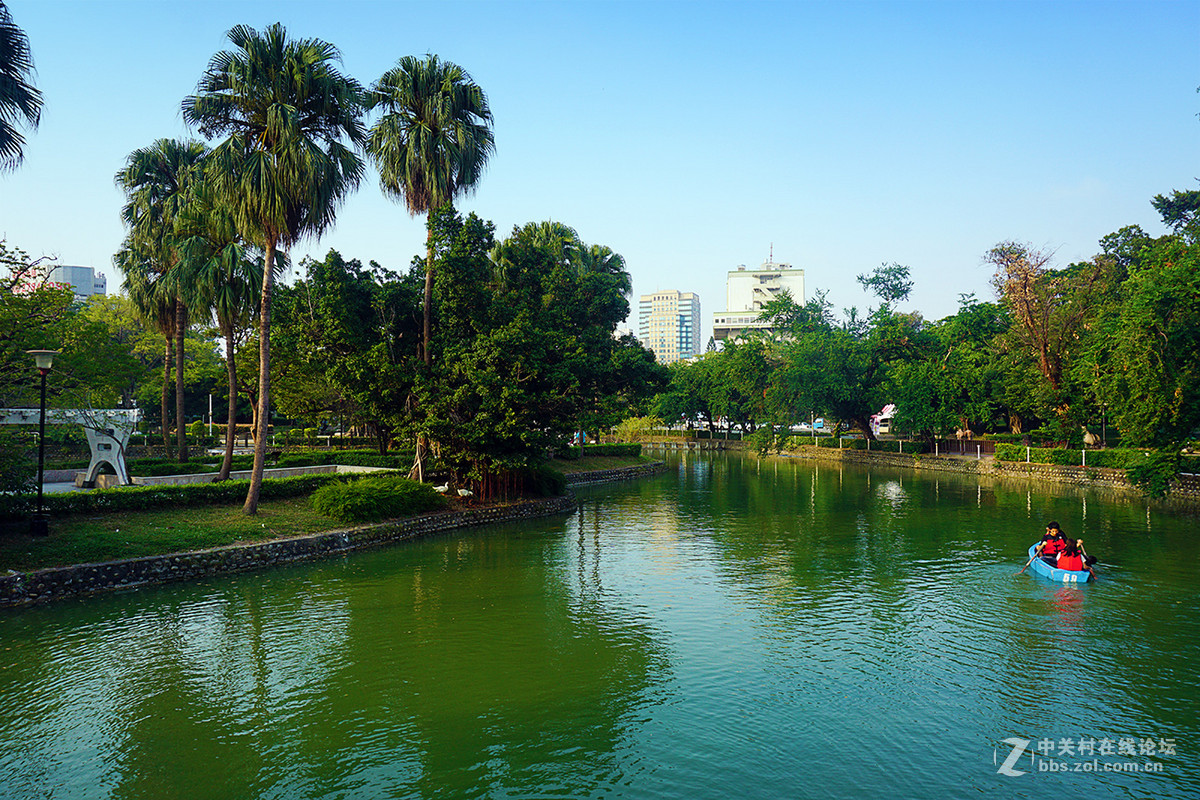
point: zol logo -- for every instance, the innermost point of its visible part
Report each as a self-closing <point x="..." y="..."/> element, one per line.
<point x="1018" y="749"/>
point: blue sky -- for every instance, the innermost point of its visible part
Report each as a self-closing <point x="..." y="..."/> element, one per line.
<point x="689" y="137"/>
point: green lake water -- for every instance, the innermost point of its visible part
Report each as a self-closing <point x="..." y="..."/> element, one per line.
<point x="734" y="628"/>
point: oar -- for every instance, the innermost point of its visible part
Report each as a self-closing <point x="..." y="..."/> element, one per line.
<point x="1035" y="555"/>
<point x="1085" y="556"/>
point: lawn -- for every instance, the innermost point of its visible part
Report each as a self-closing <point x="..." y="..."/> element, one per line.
<point x="94" y="538"/>
<point x="129" y="534"/>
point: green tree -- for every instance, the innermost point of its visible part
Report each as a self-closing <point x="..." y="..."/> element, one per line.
<point x="960" y="382"/>
<point x="345" y="342"/>
<point x="157" y="182"/>
<point x="430" y="144"/>
<point x="285" y="167"/>
<point x="20" y="101"/>
<point x="221" y="274"/>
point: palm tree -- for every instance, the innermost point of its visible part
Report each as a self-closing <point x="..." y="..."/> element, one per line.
<point x="157" y="181"/>
<point x="431" y="144"/>
<point x="19" y="100"/>
<point x="225" y="276"/>
<point x="157" y="308"/>
<point x="284" y="170"/>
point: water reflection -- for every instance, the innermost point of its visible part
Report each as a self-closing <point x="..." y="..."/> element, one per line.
<point x="728" y="629"/>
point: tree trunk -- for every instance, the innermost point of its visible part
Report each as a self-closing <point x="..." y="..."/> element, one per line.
<point x="180" y="428"/>
<point x="231" y="419"/>
<point x="264" y="382"/>
<point x="417" y="473"/>
<point x="168" y="363"/>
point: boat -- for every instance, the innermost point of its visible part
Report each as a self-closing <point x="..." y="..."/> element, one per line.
<point x="1057" y="575"/>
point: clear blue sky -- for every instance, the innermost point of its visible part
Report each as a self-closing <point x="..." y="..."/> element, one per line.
<point x="689" y="137"/>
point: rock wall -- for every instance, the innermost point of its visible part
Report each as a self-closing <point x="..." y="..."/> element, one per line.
<point x="18" y="588"/>
<point x="611" y="475"/>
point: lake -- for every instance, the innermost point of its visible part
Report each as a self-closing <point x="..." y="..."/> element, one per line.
<point x="732" y="628"/>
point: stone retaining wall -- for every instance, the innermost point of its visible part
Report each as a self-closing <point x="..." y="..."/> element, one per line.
<point x="611" y="475"/>
<point x="17" y="588"/>
<point x="1186" y="488"/>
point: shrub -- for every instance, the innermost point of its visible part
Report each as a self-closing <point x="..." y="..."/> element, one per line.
<point x="630" y="450"/>
<point x="545" y="481"/>
<point x="375" y="498"/>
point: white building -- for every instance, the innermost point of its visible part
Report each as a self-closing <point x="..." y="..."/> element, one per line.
<point x="748" y="291"/>
<point x="669" y="324"/>
<point x="84" y="281"/>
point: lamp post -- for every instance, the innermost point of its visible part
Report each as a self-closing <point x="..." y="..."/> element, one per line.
<point x="44" y="359"/>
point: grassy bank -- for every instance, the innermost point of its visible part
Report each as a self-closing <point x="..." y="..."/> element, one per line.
<point x="80" y="539"/>
<point x="93" y="538"/>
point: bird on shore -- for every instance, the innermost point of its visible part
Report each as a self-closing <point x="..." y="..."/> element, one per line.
<point x="445" y="487"/>
<point x="465" y="493"/>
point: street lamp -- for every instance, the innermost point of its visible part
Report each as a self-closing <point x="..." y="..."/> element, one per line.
<point x="44" y="359"/>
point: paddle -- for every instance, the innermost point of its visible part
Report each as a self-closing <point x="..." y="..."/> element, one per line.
<point x="1035" y="555"/>
<point x="1085" y="558"/>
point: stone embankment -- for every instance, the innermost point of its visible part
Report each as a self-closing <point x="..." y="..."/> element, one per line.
<point x="1188" y="486"/>
<point x="612" y="475"/>
<point x="24" y="588"/>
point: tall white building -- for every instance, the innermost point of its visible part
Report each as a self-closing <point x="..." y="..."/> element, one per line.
<point x="669" y="324"/>
<point x="747" y="291"/>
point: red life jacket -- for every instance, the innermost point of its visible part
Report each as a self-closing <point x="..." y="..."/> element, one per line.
<point x="1053" y="546"/>
<point x="1074" y="562"/>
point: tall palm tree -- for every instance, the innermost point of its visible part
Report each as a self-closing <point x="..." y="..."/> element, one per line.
<point x="224" y="276"/>
<point x="157" y="308"/>
<point x="285" y="167"/>
<point x="431" y="143"/>
<point x="157" y="181"/>
<point x="19" y="99"/>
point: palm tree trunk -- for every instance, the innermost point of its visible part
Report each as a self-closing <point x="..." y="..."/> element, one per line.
<point x="417" y="473"/>
<point x="168" y="362"/>
<point x="264" y="381"/>
<point x="180" y="428"/>
<point x="231" y="420"/>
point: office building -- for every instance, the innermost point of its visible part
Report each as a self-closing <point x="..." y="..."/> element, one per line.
<point x="748" y="291"/>
<point x="669" y="324"/>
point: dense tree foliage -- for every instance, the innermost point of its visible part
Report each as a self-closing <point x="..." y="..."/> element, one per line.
<point x="1112" y="341"/>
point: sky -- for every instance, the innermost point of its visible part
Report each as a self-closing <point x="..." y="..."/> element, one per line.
<point x="690" y="137"/>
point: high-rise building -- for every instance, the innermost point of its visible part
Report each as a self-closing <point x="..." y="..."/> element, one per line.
<point x="669" y="324"/>
<point x="748" y="291"/>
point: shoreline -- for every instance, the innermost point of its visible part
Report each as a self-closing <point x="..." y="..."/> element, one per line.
<point x="35" y="587"/>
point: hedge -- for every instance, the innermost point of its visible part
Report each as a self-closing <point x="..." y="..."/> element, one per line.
<point x="141" y="498"/>
<point x="633" y="450"/>
<point x="1118" y="458"/>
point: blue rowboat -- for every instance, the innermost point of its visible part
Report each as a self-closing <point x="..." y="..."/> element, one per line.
<point x="1057" y="575"/>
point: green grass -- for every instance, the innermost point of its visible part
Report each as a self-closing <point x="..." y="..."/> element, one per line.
<point x="94" y="538"/>
<point x="83" y="539"/>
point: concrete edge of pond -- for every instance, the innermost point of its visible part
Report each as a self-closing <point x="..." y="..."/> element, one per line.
<point x="82" y="580"/>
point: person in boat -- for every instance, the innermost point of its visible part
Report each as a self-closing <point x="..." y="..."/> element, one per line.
<point x="1053" y="543"/>
<point x="1070" y="557"/>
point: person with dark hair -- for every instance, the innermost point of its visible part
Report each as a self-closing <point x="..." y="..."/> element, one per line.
<point x="1053" y="542"/>
<point x="1070" y="557"/>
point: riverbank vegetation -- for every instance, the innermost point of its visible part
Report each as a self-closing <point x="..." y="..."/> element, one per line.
<point x="1085" y="354"/>
<point x="483" y="356"/>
